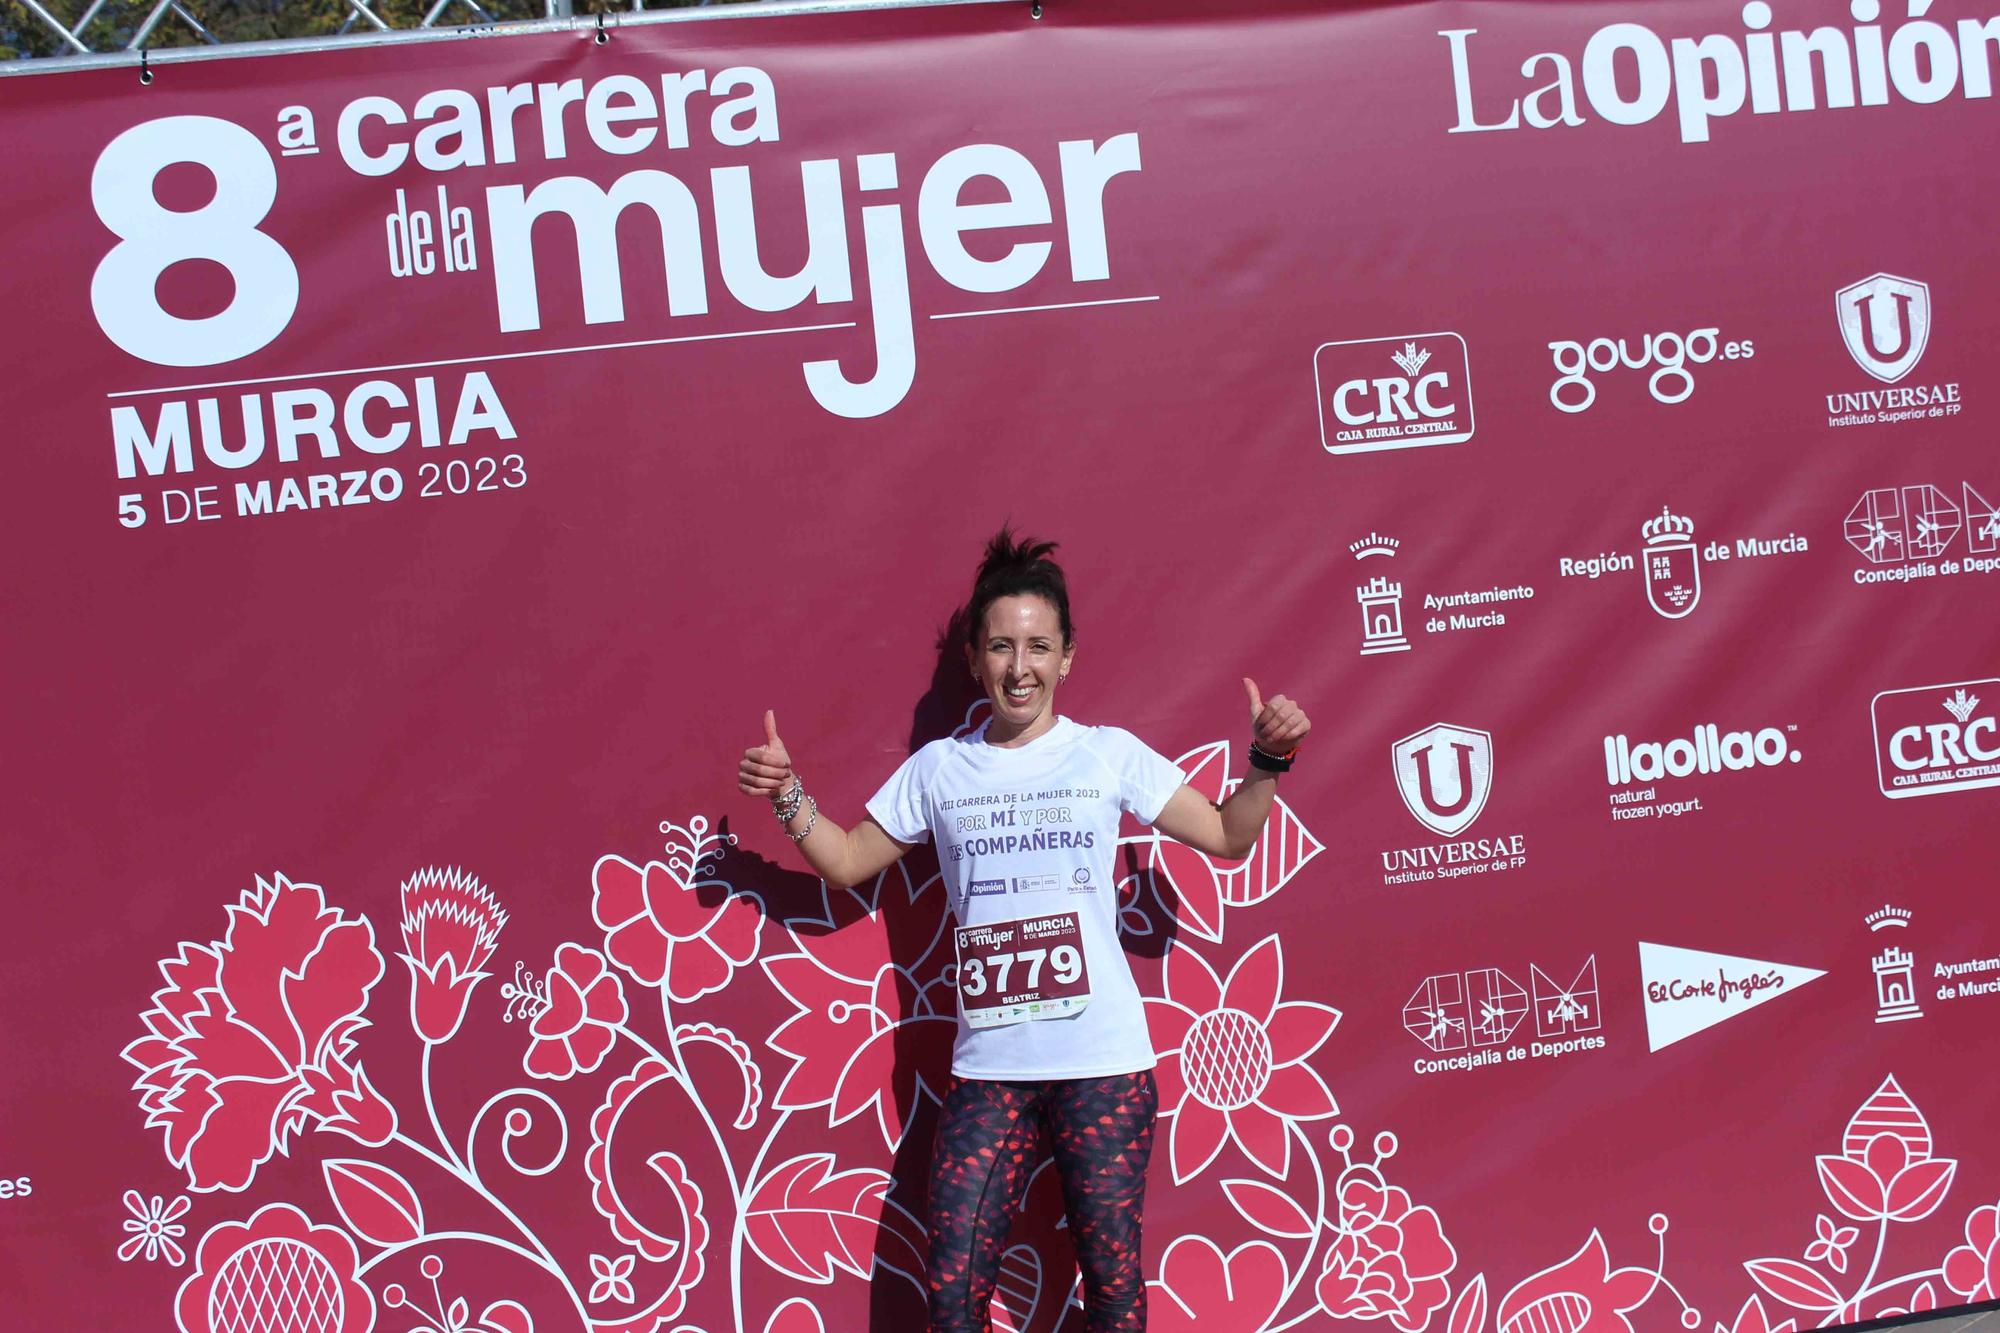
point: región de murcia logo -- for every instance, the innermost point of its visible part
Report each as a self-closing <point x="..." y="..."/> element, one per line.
<point x="1671" y="559"/>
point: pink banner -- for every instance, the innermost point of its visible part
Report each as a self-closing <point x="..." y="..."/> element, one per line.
<point x="435" y="458"/>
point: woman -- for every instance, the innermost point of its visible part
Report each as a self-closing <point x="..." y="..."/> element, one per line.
<point x="1051" y="1029"/>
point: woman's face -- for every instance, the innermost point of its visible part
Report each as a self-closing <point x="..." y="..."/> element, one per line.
<point x="1021" y="658"/>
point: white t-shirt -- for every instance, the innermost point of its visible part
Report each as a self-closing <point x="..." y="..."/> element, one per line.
<point x="1027" y="831"/>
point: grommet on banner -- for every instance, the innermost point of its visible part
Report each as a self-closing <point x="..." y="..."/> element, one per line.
<point x="1035" y="10"/>
<point x="145" y="73"/>
<point x="602" y="35"/>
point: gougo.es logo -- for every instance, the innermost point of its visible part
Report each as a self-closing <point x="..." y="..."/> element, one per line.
<point x="1669" y="357"/>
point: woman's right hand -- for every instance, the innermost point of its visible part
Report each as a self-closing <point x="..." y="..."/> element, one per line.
<point x="766" y="770"/>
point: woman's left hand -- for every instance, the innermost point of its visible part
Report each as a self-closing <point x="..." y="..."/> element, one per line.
<point x="1278" y="726"/>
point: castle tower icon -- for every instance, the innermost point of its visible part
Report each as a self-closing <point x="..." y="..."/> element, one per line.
<point x="1895" y="986"/>
<point x="1381" y="617"/>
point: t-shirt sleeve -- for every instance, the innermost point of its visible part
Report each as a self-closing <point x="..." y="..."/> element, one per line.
<point x="899" y="806"/>
<point x="1146" y="779"/>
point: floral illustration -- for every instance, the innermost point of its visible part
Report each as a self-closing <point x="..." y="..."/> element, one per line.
<point x="451" y="925"/>
<point x="667" y="926"/>
<point x="1232" y="1059"/>
<point x="1200" y="1288"/>
<point x="253" y="1036"/>
<point x="1886" y="1172"/>
<point x="611" y="1279"/>
<point x="1973" y="1269"/>
<point x="155" y="1227"/>
<point x="575" y="1016"/>
<point x="1389" y="1258"/>
<point x="868" y="1032"/>
<point x="276" y="1272"/>
<point x="710" y="1197"/>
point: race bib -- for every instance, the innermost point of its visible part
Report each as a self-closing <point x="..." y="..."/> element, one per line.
<point x="1019" y="971"/>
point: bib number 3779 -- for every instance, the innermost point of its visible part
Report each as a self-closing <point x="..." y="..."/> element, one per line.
<point x="1021" y="971"/>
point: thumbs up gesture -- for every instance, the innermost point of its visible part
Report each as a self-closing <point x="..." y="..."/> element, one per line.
<point x="1277" y="726"/>
<point x="766" y="769"/>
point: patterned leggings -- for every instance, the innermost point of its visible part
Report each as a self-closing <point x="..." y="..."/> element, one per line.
<point x="989" y="1141"/>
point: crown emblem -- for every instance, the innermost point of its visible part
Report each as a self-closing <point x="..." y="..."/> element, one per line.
<point x="1885" y="916"/>
<point x="1960" y="705"/>
<point x="1668" y="527"/>
<point x="1410" y="359"/>
<point x="1373" y="544"/>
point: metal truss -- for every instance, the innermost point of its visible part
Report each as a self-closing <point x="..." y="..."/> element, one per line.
<point x="366" y="25"/>
<point x="361" y="14"/>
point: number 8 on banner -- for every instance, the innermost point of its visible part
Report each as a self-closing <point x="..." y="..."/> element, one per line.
<point x="152" y="239"/>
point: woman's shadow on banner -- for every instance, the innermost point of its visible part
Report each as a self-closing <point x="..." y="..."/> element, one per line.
<point x="1038" y="1246"/>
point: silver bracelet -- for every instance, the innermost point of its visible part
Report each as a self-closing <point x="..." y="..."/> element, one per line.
<point x="812" y="817"/>
<point x="786" y="807"/>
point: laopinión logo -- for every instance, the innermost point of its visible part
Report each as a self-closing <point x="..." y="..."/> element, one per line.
<point x="1707" y="749"/>
<point x="1444" y="774"/>
<point x="1721" y="74"/>
<point x="1908" y="532"/>
<point x="1937" y="738"/>
<point x="1381" y="603"/>
<point x="1672" y="561"/>
<point x="1393" y="393"/>
<point x="1885" y="322"/>
<point x="1667" y="357"/>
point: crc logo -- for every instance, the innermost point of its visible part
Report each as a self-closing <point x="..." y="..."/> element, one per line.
<point x="1894" y="524"/>
<point x="1937" y="738"/>
<point x="1445" y="774"/>
<point x="1886" y="322"/>
<point x="1667" y="354"/>
<point x="1393" y="393"/>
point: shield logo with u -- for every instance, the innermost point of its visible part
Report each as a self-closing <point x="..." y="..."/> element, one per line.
<point x="1445" y="774"/>
<point x="1885" y="321"/>
<point x="1673" y="577"/>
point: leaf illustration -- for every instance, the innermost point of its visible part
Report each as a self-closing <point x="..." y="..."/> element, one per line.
<point x="1468" y="1315"/>
<point x="1919" y="1188"/>
<point x="806" y="1222"/>
<point x="1851" y="1187"/>
<point x="1207" y="769"/>
<point x="377" y="1204"/>
<point x="1795" y="1284"/>
<point x="1269" y="1209"/>
<point x="507" y="1317"/>
<point x="1196" y="901"/>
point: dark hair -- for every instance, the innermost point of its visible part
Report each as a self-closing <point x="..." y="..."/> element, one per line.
<point x="1017" y="567"/>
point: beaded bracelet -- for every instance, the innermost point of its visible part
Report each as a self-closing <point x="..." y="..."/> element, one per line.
<point x="1272" y="763"/>
<point x="812" y="817"/>
<point x="786" y="807"/>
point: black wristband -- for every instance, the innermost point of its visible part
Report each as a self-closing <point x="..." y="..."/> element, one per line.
<point x="1270" y="763"/>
